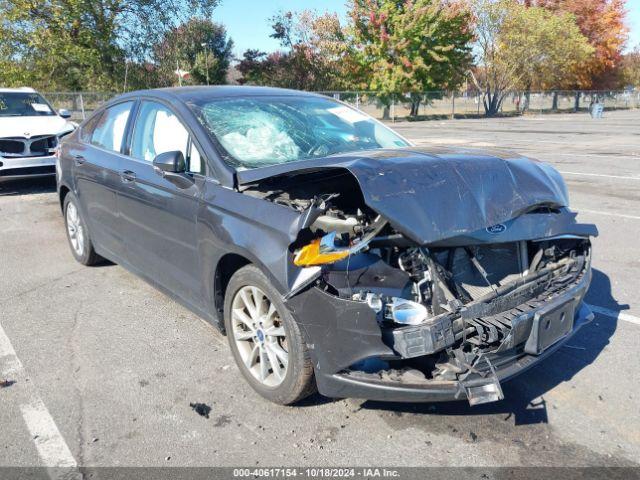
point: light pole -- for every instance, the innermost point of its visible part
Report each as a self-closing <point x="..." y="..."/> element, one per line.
<point x="206" y="60"/>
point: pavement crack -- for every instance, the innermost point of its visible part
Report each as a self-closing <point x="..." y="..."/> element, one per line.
<point x="40" y="285"/>
<point x="76" y="367"/>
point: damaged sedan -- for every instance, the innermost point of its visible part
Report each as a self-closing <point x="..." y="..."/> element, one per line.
<point x="336" y="256"/>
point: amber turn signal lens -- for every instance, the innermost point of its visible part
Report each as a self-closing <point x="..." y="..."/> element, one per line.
<point x="310" y="255"/>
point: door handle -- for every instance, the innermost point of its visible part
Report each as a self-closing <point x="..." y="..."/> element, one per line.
<point x="127" y="176"/>
<point x="78" y="159"/>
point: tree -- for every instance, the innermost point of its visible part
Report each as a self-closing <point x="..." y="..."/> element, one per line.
<point x="86" y="44"/>
<point x="409" y="46"/>
<point x="313" y="56"/>
<point x="252" y="67"/>
<point x="631" y="68"/>
<point x="517" y="46"/>
<point x="602" y="22"/>
<point x="198" y="46"/>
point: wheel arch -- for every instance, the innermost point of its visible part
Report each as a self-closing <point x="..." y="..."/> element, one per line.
<point x="62" y="193"/>
<point x="227" y="265"/>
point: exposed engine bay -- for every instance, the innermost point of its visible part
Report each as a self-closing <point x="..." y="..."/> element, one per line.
<point x="444" y="308"/>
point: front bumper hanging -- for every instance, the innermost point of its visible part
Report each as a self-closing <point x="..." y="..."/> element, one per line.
<point x="340" y="333"/>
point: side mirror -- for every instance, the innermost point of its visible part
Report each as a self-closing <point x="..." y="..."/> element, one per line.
<point x="64" y="113"/>
<point x="172" y="167"/>
<point x="170" y="162"/>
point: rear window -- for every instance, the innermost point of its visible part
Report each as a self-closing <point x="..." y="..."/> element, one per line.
<point x="109" y="128"/>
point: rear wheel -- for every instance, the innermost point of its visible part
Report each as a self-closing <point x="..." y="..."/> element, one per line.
<point x="265" y="339"/>
<point x="77" y="233"/>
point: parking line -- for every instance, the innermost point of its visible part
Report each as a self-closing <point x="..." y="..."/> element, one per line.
<point x="620" y="177"/>
<point x="51" y="446"/>
<point x="600" y="212"/>
<point x="615" y="314"/>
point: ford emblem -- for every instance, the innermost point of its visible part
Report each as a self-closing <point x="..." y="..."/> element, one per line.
<point x="498" y="228"/>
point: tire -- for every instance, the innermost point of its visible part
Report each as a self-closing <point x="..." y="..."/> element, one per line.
<point x="78" y="233"/>
<point x="258" y="346"/>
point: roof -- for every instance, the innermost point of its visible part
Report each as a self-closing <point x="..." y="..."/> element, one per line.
<point x="200" y="93"/>
<point x="15" y="90"/>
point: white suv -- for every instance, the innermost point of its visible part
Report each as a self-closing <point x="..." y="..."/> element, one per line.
<point x="30" y="130"/>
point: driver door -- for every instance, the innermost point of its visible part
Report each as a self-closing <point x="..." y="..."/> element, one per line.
<point x="159" y="217"/>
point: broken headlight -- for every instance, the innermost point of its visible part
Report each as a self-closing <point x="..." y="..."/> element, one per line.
<point x="395" y="309"/>
<point x="405" y="312"/>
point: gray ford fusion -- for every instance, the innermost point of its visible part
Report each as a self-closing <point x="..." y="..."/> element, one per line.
<point x="335" y="255"/>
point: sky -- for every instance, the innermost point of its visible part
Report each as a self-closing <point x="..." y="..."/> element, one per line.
<point x="247" y="21"/>
<point x="633" y="21"/>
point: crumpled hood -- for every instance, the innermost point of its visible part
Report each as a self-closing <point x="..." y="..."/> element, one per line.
<point x="433" y="194"/>
<point x="33" y="126"/>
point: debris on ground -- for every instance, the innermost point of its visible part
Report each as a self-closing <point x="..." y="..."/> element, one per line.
<point x="6" y="383"/>
<point x="201" y="409"/>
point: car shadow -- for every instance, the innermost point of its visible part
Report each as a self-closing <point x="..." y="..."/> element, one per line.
<point x="35" y="185"/>
<point x="27" y="186"/>
<point x="524" y="395"/>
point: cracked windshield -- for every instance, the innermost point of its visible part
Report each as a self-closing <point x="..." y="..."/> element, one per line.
<point x="261" y="131"/>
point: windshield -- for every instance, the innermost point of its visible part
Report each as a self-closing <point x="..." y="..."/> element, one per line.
<point x="23" y="104"/>
<point x="261" y="131"/>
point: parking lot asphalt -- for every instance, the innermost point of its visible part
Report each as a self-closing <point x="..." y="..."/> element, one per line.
<point x="104" y="367"/>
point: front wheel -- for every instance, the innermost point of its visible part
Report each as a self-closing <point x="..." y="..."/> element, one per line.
<point x="77" y="233"/>
<point x="265" y="339"/>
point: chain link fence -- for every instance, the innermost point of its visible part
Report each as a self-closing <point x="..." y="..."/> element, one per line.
<point x="79" y="104"/>
<point x="428" y="105"/>
<point x="434" y="105"/>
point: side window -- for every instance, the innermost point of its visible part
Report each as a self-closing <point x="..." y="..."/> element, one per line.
<point x="157" y="131"/>
<point x="89" y="127"/>
<point x="109" y="130"/>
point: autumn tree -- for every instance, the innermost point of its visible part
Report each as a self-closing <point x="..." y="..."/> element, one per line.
<point x="603" y="23"/>
<point x="198" y="46"/>
<point x="409" y="46"/>
<point x="517" y="46"/>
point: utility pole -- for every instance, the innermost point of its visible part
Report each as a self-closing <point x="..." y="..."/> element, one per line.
<point x="126" y="73"/>
<point x="206" y="60"/>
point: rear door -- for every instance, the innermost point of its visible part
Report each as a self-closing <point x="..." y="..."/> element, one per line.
<point x="97" y="163"/>
<point x="158" y="217"/>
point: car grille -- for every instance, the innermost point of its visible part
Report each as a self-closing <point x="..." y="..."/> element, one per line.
<point x="39" y="146"/>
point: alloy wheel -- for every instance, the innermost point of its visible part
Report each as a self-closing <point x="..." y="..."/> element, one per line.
<point x="74" y="227"/>
<point x="260" y="336"/>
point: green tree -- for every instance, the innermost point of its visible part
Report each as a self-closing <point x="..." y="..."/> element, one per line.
<point x="631" y="68"/>
<point x="409" y="46"/>
<point x="518" y="46"/>
<point x="85" y="44"/>
<point x="198" y="46"/>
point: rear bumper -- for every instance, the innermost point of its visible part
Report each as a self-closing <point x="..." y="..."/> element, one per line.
<point x="27" y="166"/>
<point x="353" y="337"/>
